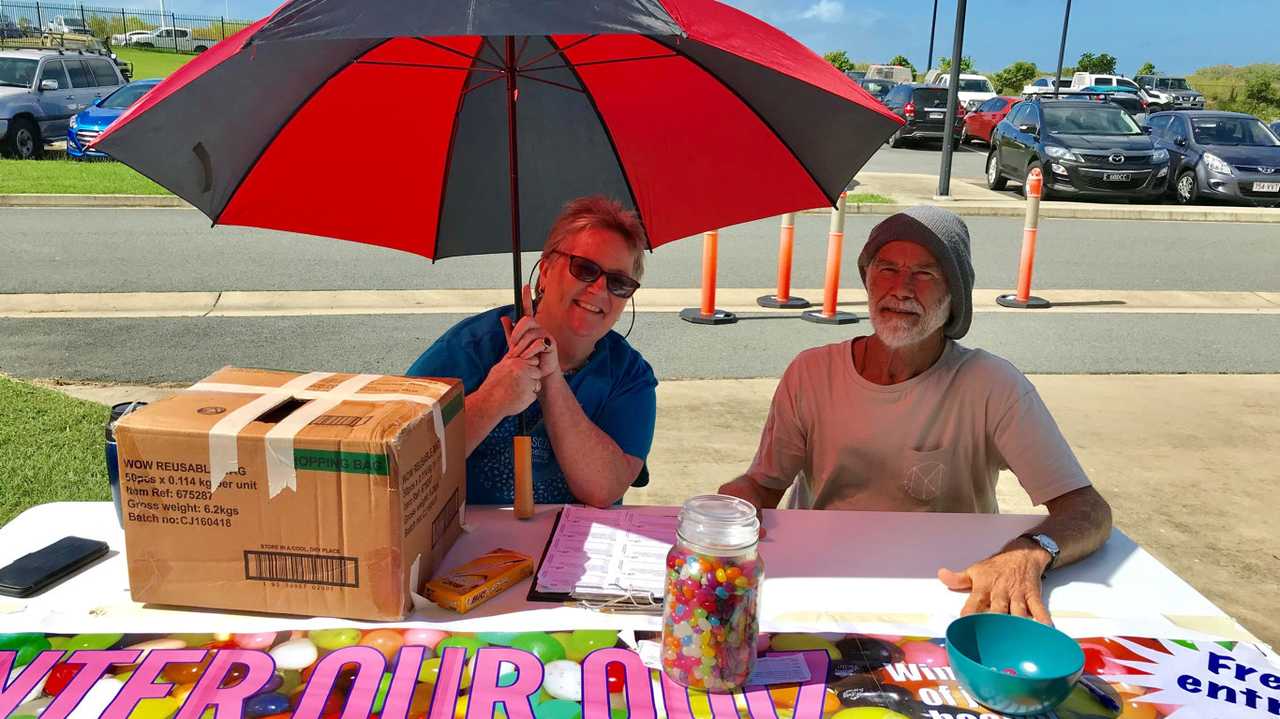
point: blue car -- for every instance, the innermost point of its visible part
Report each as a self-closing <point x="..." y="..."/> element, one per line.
<point x="91" y="122"/>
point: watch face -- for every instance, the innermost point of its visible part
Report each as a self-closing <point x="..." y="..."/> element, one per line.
<point x="1047" y="542"/>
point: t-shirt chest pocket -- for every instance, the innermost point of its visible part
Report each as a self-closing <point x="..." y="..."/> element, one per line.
<point x="923" y="476"/>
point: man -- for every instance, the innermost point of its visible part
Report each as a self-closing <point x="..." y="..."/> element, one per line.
<point x="587" y="395"/>
<point x="908" y="420"/>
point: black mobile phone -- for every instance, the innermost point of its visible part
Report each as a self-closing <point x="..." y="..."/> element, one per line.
<point x="33" y="573"/>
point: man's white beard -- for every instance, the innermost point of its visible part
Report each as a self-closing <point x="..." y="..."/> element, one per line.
<point x="903" y="331"/>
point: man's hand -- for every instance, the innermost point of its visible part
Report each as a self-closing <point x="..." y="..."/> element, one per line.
<point x="1005" y="583"/>
<point x="759" y="496"/>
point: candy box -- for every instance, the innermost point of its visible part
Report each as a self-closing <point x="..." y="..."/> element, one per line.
<point x="479" y="580"/>
<point x="320" y="494"/>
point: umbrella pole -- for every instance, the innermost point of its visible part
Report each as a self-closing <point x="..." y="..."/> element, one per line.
<point x="522" y="455"/>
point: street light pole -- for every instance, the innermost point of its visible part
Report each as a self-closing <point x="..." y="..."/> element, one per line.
<point x="1062" y="48"/>
<point x="933" y="27"/>
<point x="953" y="89"/>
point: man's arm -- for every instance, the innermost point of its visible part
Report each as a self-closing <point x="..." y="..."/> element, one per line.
<point x="1008" y="582"/>
<point x="781" y="454"/>
<point x="596" y="469"/>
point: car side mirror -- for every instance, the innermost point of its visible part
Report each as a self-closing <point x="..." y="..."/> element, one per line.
<point x="1028" y="128"/>
<point x="48" y="85"/>
<point x="1180" y="141"/>
<point x="1146" y="129"/>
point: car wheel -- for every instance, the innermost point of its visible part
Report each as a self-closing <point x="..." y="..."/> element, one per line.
<point x="201" y="48"/>
<point x="23" y="142"/>
<point x="995" y="180"/>
<point x="895" y="140"/>
<point x="1187" y="188"/>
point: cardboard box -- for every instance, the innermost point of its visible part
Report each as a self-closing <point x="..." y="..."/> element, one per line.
<point x="337" y="492"/>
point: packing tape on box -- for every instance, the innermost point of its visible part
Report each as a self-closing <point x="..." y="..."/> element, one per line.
<point x="281" y="473"/>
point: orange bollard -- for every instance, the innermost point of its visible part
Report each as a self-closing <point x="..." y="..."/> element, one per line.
<point x="786" y="244"/>
<point x="1022" y="299"/>
<point x="707" y="314"/>
<point x="829" y="315"/>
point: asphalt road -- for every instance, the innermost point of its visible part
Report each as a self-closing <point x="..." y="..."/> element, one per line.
<point x="184" y="350"/>
<point x="176" y="250"/>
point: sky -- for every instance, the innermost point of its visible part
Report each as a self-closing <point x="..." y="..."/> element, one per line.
<point x="1179" y="36"/>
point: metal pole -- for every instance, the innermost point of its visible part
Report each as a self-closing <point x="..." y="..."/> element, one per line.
<point x="84" y="22"/>
<point x="933" y="28"/>
<point x="224" y="28"/>
<point x="124" y="25"/>
<point x="1062" y="48"/>
<point x="39" y="18"/>
<point x="522" y="457"/>
<point x="957" y="49"/>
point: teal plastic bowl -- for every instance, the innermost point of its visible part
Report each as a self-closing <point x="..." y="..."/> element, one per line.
<point x="1013" y="665"/>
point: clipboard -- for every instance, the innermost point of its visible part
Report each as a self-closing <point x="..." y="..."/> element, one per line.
<point x="642" y="603"/>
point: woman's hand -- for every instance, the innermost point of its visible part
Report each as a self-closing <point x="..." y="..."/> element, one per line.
<point x="529" y="339"/>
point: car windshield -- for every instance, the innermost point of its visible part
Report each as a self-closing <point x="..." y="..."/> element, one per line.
<point x="878" y="87"/>
<point x="1172" y="83"/>
<point x="124" y="97"/>
<point x="978" y="85"/>
<point x="17" y="72"/>
<point x="1232" y="131"/>
<point x="1099" y="120"/>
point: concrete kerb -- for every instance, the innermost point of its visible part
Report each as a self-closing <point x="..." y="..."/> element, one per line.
<point x="94" y="201"/>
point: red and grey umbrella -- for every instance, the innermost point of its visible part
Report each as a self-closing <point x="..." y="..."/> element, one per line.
<point x="406" y="124"/>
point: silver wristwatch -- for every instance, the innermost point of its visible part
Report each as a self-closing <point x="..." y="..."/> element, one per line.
<point x="1047" y="544"/>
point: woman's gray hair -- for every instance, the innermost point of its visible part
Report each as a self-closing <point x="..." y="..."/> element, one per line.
<point x="598" y="212"/>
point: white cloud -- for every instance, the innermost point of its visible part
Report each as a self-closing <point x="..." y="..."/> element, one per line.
<point x="825" y="11"/>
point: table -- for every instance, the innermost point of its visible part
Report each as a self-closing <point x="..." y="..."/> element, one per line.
<point x="827" y="571"/>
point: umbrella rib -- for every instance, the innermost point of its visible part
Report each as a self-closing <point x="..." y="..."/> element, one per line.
<point x="498" y="73"/>
<point x="459" y="53"/>
<point x="552" y="82"/>
<point x="600" y="62"/>
<point x="542" y="57"/>
<point x="489" y="44"/>
<point x="495" y="78"/>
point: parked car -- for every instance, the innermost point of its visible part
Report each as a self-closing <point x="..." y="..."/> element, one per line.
<point x="1275" y="128"/>
<point x="973" y="90"/>
<point x="1082" y="147"/>
<point x="40" y="89"/>
<point x="10" y="30"/>
<point x="1126" y="97"/>
<point x="1222" y="155"/>
<point x="1170" y="92"/>
<point x="878" y="88"/>
<point x="979" y="123"/>
<point x="130" y="38"/>
<point x="91" y="122"/>
<point x="897" y="73"/>
<point x="68" y="24"/>
<point x="1081" y="80"/>
<point x="178" y="38"/>
<point x="924" y="110"/>
<point x="1043" y="85"/>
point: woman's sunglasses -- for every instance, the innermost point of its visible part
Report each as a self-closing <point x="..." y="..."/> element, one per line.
<point x="584" y="270"/>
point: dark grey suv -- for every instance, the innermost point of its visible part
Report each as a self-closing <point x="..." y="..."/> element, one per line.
<point x="923" y="109"/>
<point x="1223" y="155"/>
<point x="1081" y="147"/>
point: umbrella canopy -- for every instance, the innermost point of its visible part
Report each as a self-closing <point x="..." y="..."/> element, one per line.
<point x="386" y="121"/>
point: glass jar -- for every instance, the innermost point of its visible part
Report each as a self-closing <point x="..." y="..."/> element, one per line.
<point x="710" y="614"/>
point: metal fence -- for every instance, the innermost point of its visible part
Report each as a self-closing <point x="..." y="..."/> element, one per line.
<point x="175" y="32"/>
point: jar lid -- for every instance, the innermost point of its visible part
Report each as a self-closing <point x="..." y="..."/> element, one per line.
<point x="718" y="521"/>
<point x="117" y="412"/>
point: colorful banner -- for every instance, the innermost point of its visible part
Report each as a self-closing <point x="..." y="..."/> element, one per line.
<point x="413" y="673"/>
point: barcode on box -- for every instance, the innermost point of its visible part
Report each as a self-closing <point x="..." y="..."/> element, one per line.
<point x="323" y="569"/>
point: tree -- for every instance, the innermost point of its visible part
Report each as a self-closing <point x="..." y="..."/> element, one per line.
<point x="1146" y="69"/>
<point x="1010" y="80"/>
<point x="966" y="64"/>
<point x="840" y="59"/>
<point x="1100" y="64"/>
<point x="902" y="61"/>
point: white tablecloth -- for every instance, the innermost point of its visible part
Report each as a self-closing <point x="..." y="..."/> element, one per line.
<point x="826" y="571"/>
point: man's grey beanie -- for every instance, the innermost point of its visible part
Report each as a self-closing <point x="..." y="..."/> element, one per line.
<point x="946" y="237"/>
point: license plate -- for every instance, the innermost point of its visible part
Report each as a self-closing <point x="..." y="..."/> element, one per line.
<point x="936" y="115"/>
<point x="1117" y="177"/>
<point x="1266" y="187"/>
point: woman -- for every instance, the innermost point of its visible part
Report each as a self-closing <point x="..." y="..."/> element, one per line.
<point x="587" y="395"/>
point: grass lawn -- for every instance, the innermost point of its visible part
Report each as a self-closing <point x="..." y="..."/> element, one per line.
<point x="57" y="175"/>
<point x="51" y="448"/>
<point x="867" y="198"/>
<point x="149" y="64"/>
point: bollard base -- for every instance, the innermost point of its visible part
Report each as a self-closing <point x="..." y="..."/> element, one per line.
<point x="719" y="317"/>
<point x="791" y="303"/>
<point x="839" y="318"/>
<point x="1032" y="303"/>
